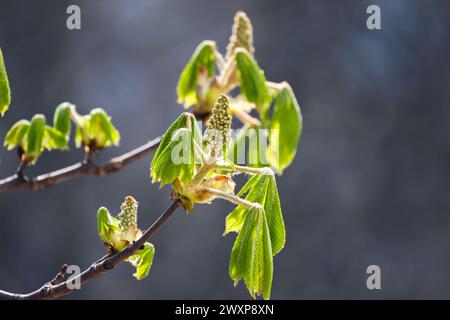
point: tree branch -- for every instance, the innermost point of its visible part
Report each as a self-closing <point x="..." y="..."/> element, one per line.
<point x="57" y="287"/>
<point x="85" y="168"/>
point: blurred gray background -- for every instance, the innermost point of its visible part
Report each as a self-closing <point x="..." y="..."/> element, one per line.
<point x="370" y="183"/>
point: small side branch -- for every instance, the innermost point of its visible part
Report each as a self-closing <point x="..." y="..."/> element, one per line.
<point x="19" y="181"/>
<point x="58" y="287"/>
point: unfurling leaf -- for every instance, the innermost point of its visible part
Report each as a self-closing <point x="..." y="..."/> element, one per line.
<point x="143" y="260"/>
<point x="54" y="139"/>
<point x="35" y="136"/>
<point x="252" y="79"/>
<point x="5" y="91"/>
<point x="96" y="130"/>
<point x="251" y="257"/>
<point x="200" y="67"/>
<point x="261" y="189"/>
<point x="61" y="119"/>
<point x="16" y="136"/>
<point x="106" y="224"/>
<point x="285" y="129"/>
<point x="175" y="156"/>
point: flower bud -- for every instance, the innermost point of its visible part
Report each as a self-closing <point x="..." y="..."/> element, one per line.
<point x="241" y="35"/>
<point x="128" y="219"/>
<point x="219" y="127"/>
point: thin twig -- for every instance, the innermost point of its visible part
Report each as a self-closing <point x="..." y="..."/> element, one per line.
<point x="85" y="168"/>
<point x="51" y="291"/>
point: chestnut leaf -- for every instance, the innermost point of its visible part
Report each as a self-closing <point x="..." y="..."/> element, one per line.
<point x="261" y="189"/>
<point x="285" y="126"/>
<point x="252" y="79"/>
<point x="251" y="256"/>
<point x="5" y="91"/>
<point x="175" y="156"/>
<point x="200" y="64"/>
<point x="143" y="260"/>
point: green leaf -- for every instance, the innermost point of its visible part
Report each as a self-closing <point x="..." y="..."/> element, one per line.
<point x="201" y="62"/>
<point x="96" y="130"/>
<point x="101" y="130"/>
<point x="54" y="139"/>
<point x="234" y="221"/>
<point x="61" y="119"/>
<point x="252" y="79"/>
<point x="174" y="157"/>
<point x="180" y="122"/>
<point x="105" y="224"/>
<point x="5" y="91"/>
<point x="285" y="129"/>
<point x="251" y="256"/>
<point x="263" y="190"/>
<point x="143" y="260"/>
<point x="35" y="137"/>
<point x="16" y="134"/>
<point x="177" y="159"/>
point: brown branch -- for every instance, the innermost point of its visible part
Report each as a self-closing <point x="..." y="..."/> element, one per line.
<point x="57" y="287"/>
<point x="85" y="168"/>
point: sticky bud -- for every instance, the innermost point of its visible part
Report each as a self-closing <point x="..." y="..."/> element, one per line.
<point x="241" y="34"/>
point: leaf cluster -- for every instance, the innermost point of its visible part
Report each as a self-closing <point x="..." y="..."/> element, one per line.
<point x="208" y="74"/>
<point x="93" y="131"/>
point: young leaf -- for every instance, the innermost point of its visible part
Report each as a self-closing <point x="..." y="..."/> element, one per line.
<point x="61" y="119"/>
<point x="252" y="79"/>
<point x="234" y="221"/>
<point x="5" y="91"/>
<point x="263" y="190"/>
<point x="16" y="134"/>
<point x="35" y="137"/>
<point x="106" y="224"/>
<point x="180" y="122"/>
<point x="251" y="256"/>
<point x="285" y="129"/>
<point x="143" y="260"/>
<point x="101" y="130"/>
<point x="202" y="61"/>
<point x="177" y="159"/>
<point x="54" y="139"/>
<point x="175" y="154"/>
<point x="96" y="130"/>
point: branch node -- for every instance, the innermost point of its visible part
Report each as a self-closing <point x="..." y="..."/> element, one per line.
<point x="60" y="276"/>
